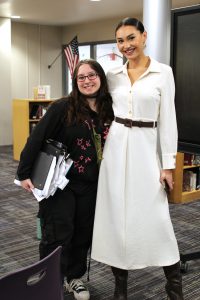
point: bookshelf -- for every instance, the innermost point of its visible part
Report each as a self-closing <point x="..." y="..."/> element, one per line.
<point x="26" y="114"/>
<point x="178" y="195"/>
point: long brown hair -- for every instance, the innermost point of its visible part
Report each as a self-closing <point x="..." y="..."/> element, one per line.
<point x="78" y="106"/>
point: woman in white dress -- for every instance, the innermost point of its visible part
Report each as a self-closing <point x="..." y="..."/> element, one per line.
<point x="132" y="228"/>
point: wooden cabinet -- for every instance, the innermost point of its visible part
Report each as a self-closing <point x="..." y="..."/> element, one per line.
<point x="26" y="114"/>
<point x="177" y="195"/>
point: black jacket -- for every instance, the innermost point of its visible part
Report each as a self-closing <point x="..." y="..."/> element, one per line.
<point x="77" y="138"/>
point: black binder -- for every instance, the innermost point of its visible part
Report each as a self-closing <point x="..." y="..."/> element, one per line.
<point x="41" y="169"/>
<point x="42" y="164"/>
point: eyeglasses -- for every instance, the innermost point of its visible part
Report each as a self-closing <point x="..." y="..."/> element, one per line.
<point x="90" y="76"/>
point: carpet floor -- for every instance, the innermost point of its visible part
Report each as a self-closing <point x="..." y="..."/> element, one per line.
<point x="19" y="243"/>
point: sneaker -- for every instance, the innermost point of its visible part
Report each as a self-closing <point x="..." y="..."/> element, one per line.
<point x="79" y="289"/>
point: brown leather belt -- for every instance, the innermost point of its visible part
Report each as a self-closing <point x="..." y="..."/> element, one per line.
<point x="130" y="123"/>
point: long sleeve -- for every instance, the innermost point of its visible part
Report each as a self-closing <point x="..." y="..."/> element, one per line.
<point x="47" y="127"/>
<point x="167" y="121"/>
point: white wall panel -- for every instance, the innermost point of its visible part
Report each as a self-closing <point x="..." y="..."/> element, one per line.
<point x="34" y="47"/>
<point x="5" y="82"/>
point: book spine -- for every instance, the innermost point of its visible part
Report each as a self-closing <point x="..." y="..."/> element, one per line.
<point x="189" y="181"/>
<point x="198" y="179"/>
<point x="196" y="159"/>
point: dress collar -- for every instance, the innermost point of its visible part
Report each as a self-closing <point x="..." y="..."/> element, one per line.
<point x="154" y="67"/>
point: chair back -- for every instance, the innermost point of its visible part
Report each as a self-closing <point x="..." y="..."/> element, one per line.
<point x="39" y="281"/>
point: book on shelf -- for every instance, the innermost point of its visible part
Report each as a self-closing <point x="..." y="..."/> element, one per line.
<point x="37" y="111"/>
<point x="198" y="179"/>
<point x="33" y="111"/>
<point x="44" y="109"/>
<point x="189" y="181"/>
<point x="191" y="159"/>
<point x="193" y="181"/>
<point x="196" y="159"/>
<point x="188" y="159"/>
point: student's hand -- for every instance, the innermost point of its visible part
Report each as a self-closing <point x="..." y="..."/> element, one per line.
<point x="166" y="178"/>
<point x="27" y="184"/>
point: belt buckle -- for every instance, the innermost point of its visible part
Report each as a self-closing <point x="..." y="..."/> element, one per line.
<point x="128" y="123"/>
<point x="140" y="123"/>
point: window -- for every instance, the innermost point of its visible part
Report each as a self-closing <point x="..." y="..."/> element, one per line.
<point x="107" y="54"/>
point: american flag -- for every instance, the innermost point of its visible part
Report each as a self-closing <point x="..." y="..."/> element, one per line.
<point x="72" y="54"/>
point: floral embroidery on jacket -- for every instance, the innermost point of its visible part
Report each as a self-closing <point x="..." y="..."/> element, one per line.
<point x="83" y="144"/>
<point x="83" y="160"/>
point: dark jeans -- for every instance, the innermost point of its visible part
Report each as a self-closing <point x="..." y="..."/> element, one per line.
<point x="67" y="220"/>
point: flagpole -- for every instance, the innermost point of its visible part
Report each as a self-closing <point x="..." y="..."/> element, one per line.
<point x="49" y="66"/>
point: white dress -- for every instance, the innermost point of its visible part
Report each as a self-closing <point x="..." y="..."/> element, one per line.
<point x="132" y="227"/>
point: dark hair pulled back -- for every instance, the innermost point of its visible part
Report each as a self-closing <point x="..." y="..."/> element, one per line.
<point x="131" y="22"/>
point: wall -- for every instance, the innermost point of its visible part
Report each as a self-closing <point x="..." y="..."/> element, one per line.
<point x="34" y="47"/>
<point x="95" y="31"/>
<point x="26" y="50"/>
<point x="5" y="82"/>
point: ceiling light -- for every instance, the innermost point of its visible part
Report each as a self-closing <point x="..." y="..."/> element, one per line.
<point x="15" y="17"/>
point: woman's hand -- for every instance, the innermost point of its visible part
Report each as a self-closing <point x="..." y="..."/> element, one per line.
<point x="167" y="178"/>
<point x="27" y="184"/>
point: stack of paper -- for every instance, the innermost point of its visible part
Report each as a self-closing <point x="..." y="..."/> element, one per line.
<point x="49" y="175"/>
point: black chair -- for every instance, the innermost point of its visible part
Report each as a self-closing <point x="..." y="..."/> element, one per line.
<point x="39" y="281"/>
<point x="184" y="258"/>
